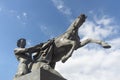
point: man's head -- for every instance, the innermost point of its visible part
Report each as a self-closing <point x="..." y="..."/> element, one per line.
<point x="21" y="43"/>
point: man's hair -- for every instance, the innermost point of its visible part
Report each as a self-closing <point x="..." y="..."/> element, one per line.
<point x="19" y="41"/>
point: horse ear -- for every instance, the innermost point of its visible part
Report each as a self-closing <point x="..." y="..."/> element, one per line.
<point x="83" y="16"/>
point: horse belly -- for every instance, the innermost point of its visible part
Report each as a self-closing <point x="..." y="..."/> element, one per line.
<point x="58" y="54"/>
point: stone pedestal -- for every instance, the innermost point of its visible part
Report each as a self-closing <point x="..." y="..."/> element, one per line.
<point x="40" y="74"/>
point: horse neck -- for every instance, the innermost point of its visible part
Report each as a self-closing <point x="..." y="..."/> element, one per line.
<point x="72" y="33"/>
<point x="75" y="25"/>
<point x="72" y="29"/>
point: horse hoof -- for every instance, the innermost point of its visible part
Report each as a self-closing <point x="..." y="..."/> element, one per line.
<point x="108" y="46"/>
<point x="105" y="45"/>
<point x="63" y="59"/>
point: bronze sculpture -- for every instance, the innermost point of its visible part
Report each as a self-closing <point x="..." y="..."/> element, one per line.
<point x="60" y="48"/>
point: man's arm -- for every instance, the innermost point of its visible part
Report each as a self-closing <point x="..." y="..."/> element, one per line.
<point x="35" y="48"/>
<point x="29" y="50"/>
<point x="20" y="51"/>
<point x="47" y="44"/>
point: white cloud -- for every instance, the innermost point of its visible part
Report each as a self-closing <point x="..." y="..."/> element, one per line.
<point x="95" y="63"/>
<point x="21" y="16"/>
<point x="24" y="14"/>
<point x="104" y="20"/>
<point x="46" y="31"/>
<point x="59" y="4"/>
<point x="92" y="65"/>
<point x="115" y="43"/>
<point x="99" y="28"/>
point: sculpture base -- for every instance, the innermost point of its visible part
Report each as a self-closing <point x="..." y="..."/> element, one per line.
<point x="40" y="74"/>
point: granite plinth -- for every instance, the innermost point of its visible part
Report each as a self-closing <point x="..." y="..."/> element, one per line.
<point x="40" y="74"/>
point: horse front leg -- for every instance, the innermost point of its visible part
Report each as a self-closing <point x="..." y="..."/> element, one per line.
<point x="68" y="42"/>
<point x="89" y="40"/>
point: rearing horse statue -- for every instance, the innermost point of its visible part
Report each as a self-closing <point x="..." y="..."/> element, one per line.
<point x="64" y="45"/>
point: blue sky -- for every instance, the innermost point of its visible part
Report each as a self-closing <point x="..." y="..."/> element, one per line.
<point x="40" y="20"/>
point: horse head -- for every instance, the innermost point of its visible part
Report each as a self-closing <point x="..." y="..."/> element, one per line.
<point x="82" y="17"/>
